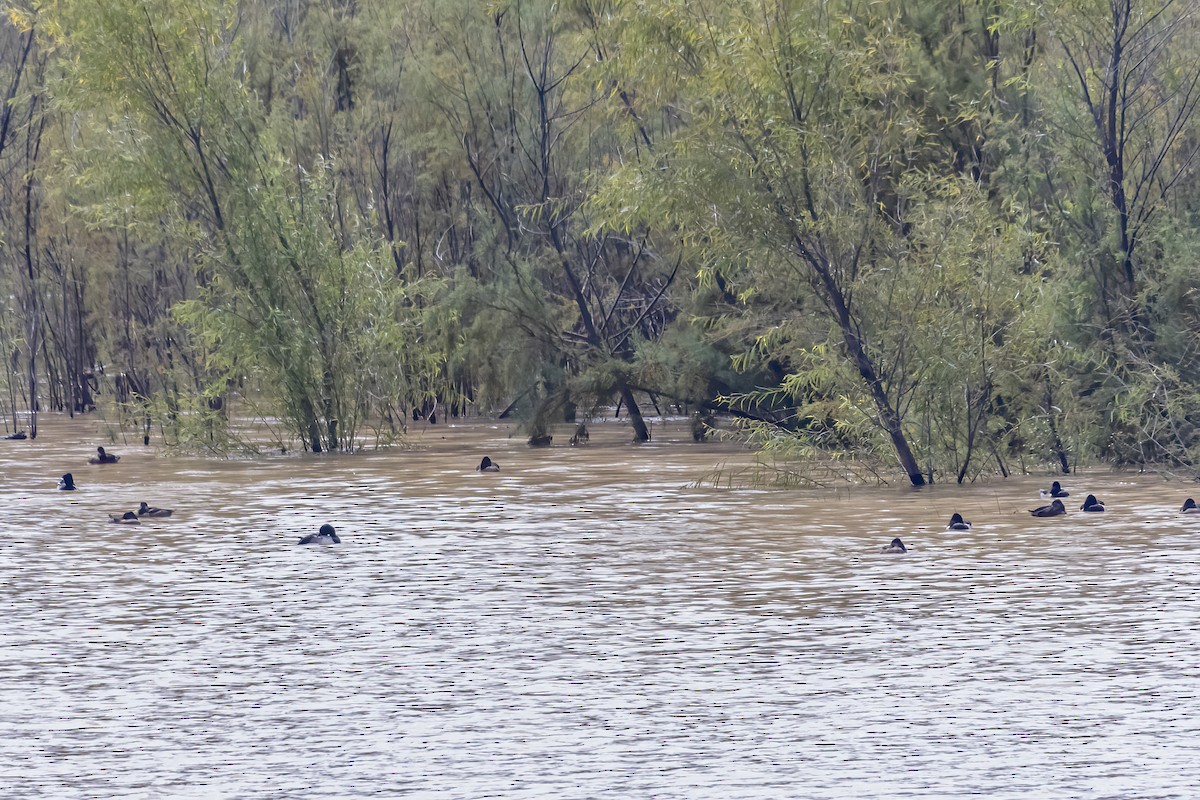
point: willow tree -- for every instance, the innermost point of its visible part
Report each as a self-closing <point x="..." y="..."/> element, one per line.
<point x="290" y="294"/>
<point x="800" y="169"/>
<point x="1132" y="73"/>
<point x="1121" y="89"/>
<point x="513" y="87"/>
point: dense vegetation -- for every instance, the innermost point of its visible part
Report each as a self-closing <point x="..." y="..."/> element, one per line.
<point x="955" y="237"/>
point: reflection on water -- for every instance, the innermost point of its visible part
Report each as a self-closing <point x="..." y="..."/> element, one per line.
<point x="582" y="625"/>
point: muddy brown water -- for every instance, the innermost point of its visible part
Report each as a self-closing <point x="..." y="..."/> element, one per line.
<point x="583" y="624"/>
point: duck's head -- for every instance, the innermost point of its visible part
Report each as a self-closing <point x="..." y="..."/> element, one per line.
<point x="143" y="508"/>
<point x="1190" y="505"/>
<point x="100" y="450"/>
<point x="957" y="519"/>
<point x="896" y="546"/>
<point x="66" y="481"/>
<point x="328" y="530"/>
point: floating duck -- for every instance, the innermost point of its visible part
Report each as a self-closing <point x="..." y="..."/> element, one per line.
<point x="128" y="518"/>
<point x="150" y="511"/>
<point x="1055" y="490"/>
<point x="487" y="465"/>
<point x="1091" y="504"/>
<point x="957" y="523"/>
<point x="15" y="437"/>
<point x="896" y="546"/>
<point x="102" y="457"/>
<point x="67" y="483"/>
<point x="1052" y="510"/>
<point x="327" y="535"/>
<point x="1189" y="507"/>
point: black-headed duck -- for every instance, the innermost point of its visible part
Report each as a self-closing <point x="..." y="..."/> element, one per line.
<point x="1091" y="504"/>
<point x="1189" y="507"/>
<point x="327" y="535"/>
<point x="128" y="518"/>
<point x="1052" y="510"/>
<point x="1055" y="490"/>
<point x="16" y="437"/>
<point x="102" y="457"/>
<point x="896" y="546"/>
<point x="150" y="511"/>
<point x="957" y="523"/>
<point x="67" y="483"/>
<point x="487" y="465"/>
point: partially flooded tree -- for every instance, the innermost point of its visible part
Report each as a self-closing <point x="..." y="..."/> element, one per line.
<point x="513" y="88"/>
<point x="290" y="295"/>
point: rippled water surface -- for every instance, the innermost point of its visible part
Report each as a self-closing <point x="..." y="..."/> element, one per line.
<point x="581" y="625"/>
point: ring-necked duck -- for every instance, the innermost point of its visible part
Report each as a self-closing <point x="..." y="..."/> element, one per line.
<point x="957" y="523"/>
<point x="128" y="518"/>
<point x="102" y="457"/>
<point x="16" y="437"/>
<point x="1190" y="507"/>
<point x="487" y="465"/>
<point x="327" y="535"/>
<point x="150" y="511"/>
<point x="1052" y="510"/>
<point x="1055" y="490"/>
<point x="896" y="546"/>
<point x="67" y="483"/>
<point x="1091" y="504"/>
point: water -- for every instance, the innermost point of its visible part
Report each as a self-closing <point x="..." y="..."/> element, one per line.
<point x="580" y="625"/>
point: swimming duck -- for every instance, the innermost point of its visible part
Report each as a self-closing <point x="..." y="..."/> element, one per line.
<point x="487" y="465"/>
<point x="896" y="546"/>
<point x="1055" y="490"/>
<point x="1052" y="510"/>
<point x="16" y="437"/>
<point x="67" y="483"/>
<point x="1091" y="504"/>
<point x="957" y="523"/>
<point x="103" y="457"/>
<point x="128" y="518"/>
<point x="327" y="535"/>
<point x="1189" y="507"/>
<point x="150" y="511"/>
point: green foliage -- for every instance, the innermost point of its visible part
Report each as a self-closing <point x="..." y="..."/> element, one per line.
<point x="881" y="235"/>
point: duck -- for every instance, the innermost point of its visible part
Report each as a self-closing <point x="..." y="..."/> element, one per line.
<point x="487" y="465"/>
<point x="1055" y="490"/>
<point x="15" y="437"/>
<point x="1091" y="504"/>
<point x="150" y="511"/>
<point x="128" y="518"/>
<point x="102" y="457"/>
<point x="327" y="535"/>
<point x="957" y="523"/>
<point x="896" y="546"/>
<point x="67" y="483"/>
<point x="1052" y="510"/>
<point x="1189" y="507"/>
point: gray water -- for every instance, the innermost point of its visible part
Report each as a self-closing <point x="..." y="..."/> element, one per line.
<point x="583" y="624"/>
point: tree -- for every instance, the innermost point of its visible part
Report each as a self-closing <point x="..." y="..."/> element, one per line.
<point x="285" y="285"/>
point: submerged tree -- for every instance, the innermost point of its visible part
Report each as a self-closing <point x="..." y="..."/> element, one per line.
<point x="802" y="172"/>
<point x="288" y="294"/>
